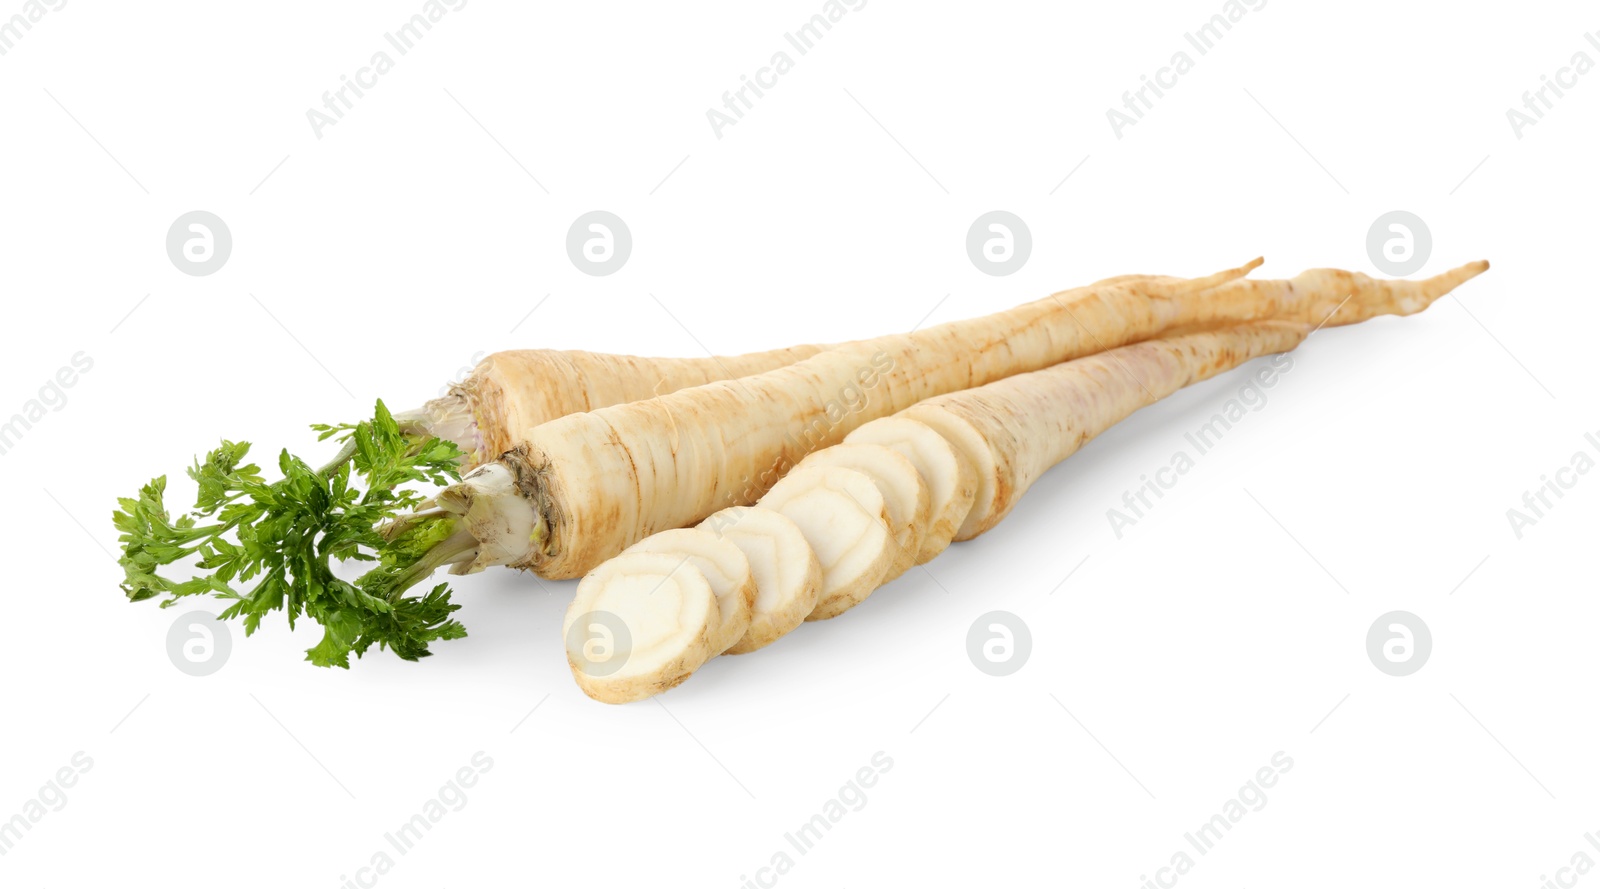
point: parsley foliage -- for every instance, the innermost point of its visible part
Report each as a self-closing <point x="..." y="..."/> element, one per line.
<point x="266" y="547"/>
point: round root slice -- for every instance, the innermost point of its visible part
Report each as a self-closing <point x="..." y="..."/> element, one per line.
<point x="952" y="480"/>
<point x="725" y="567"/>
<point x="787" y="574"/>
<point x="904" y="492"/>
<point x="845" y="521"/>
<point x="972" y="446"/>
<point x="639" y="625"/>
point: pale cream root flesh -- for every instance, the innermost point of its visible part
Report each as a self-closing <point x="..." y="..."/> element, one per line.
<point x="952" y="481"/>
<point x="846" y="523"/>
<point x="974" y="452"/>
<point x="644" y="623"/>
<point x="724" y="566"/>
<point x="787" y="574"/>
<point x="904" y="492"/>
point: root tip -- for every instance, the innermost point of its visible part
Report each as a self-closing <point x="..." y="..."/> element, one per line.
<point x="1468" y="272"/>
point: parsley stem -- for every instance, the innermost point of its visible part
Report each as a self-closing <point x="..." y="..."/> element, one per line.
<point x="346" y="453"/>
<point x="459" y="544"/>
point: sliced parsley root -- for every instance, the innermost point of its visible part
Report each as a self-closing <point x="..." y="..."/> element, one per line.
<point x="268" y="546"/>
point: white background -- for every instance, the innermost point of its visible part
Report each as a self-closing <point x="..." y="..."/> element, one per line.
<point x="1170" y="665"/>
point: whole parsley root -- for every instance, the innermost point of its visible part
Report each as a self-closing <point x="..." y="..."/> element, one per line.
<point x="510" y="392"/>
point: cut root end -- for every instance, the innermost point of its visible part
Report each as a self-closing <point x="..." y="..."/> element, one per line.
<point x="723" y="565"/>
<point x="640" y="624"/>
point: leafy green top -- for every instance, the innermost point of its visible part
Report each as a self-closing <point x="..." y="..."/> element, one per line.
<point x="287" y="533"/>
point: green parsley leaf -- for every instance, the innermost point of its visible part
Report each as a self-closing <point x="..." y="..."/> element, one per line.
<point x="265" y="547"/>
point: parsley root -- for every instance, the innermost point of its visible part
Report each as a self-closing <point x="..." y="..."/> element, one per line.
<point x="590" y="484"/>
<point x="1013" y="430"/>
<point x="510" y="392"/>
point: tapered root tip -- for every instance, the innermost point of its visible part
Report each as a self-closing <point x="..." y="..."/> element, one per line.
<point x="1234" y="274"/>
<point x="1441" y="284"/>
<point x="1195" y="285"/>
